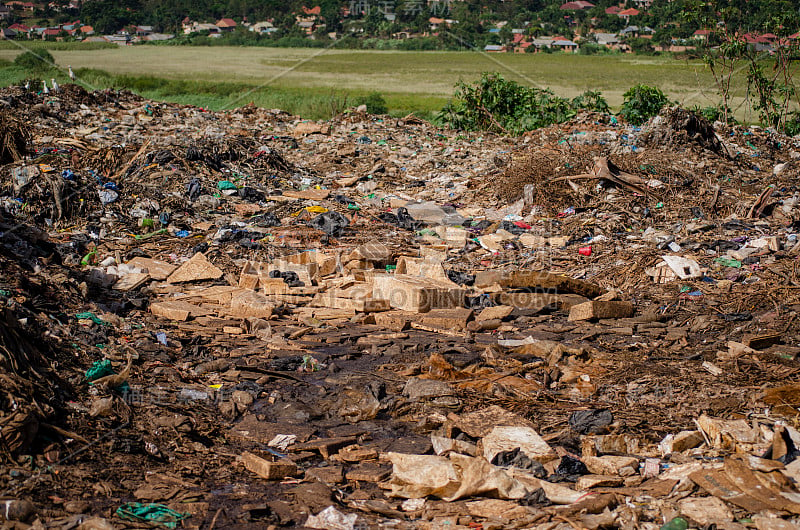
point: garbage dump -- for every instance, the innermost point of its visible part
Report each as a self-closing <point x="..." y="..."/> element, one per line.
<point x="245" y="319"/>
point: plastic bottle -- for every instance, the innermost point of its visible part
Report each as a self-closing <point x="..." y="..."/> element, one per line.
<point x="679" y="523"/>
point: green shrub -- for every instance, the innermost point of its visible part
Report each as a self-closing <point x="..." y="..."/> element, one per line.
<point x="792" y="127"/>
<point x="495" y="104"/>
<point x="590" y="48"/>
<point x="713" y="113"/>
<point x="374" y="102"/>
<point x="38" y="61"/>
<point x="642" y="102"/>
<point x="591" y="100"/>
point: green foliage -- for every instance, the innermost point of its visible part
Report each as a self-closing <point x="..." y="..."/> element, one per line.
<point x="590" y="48"/>
<point x="591" y="100"/>
<point x="642" y="102"/>
<point x="792" y="127"/>
<point x="641" y="46"/>
<point x="714" y="112"/>
<point x="35" y="61"/>
<point x="375" y="103"/>
<point x="496" y="104"/>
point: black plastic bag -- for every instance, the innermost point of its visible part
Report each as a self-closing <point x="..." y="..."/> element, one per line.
<point x="290" y="278"/>
<point x="516" y="458"/>
<point x="332" y="223"/>
<point x="461" y="278"/>
<point x="511" y="227"/>
<point x="402" y="219"/>
<point x="193" y="189"/>
<point x="590" y="421"/>
<point x="571" y="466"/>
<point x="250" y="194"/>
<point x="266" y="220"/>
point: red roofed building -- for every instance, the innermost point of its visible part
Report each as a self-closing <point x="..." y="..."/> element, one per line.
<point x="316" y="10"/>
<point x="435" y="23"/>
<point x="50" y="32"/>
<point x="630" y="12"/>
<point x="759" y="43"/>
<point x="25" y="7"/>
<point x="19" y="27"/>
<point x="226" y="24"/>
<point x="87" y="30"/>
<point x="613" y="10"/>
<point x="523" y="47"/>
<point x="701" y="34"/>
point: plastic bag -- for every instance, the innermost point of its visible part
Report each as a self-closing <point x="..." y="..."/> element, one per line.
<point x="332" y="223"/>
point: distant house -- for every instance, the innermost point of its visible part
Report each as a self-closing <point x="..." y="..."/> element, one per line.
<point x="542" y="42"/>
<point x="226" y="24"/>
<point x="316" y="10"/>
<point x="613" y="10"/>
<point x="143" y="31"/>
<point x="25" y="7"/>
<point x="494" y="48"/>
<point x="565" y="45"/>
<point x="120" y="39"/>
<point x="20" y="28"/>
<point x="8" y="33"/>
<point x="701" y="34"/>
<point x="576" y="5"/>
<point x="435" y="23"/>
<point x="628" y="13"/>
<point x="50" y="33"/>
<point x="212" y="29"/>
<point x="87" y="30"/>
<point x="263" y="28"/>
<point x="5" y="12"/>
<point x="307" y="26"/>
<point x="759" y="43"/>
<point x="523" y="47"/>
<point x="609" y="40"/>
<point x="153" y="37"/>
<point x="643" y="4"/>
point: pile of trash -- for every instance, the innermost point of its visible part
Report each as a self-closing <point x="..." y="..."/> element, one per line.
<point x="238" y="319"/>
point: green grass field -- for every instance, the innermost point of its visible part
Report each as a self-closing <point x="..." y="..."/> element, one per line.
<point x="309" y="81"/>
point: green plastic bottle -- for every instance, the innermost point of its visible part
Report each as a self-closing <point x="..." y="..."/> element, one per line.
<point x="679" y="523"/>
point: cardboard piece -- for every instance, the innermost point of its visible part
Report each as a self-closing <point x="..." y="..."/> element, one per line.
<point x="131" y="281"/>
<point x="197" y="268"/>
<point x="158" y="270"/>
<point x="417" y="294"/>
<point x="537" y="279"/>
<point x="251" y="304"/>
<point x="267" y="469"/>
<point x="597" y="310"/>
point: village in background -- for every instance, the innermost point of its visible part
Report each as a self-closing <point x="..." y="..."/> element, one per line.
<point x="579" y="26"/>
